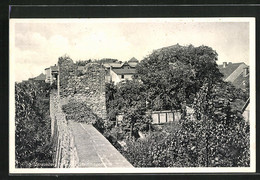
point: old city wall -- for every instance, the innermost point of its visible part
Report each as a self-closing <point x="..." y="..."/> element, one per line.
<point x="87" y="86"/>
<point x="65" y="152"/>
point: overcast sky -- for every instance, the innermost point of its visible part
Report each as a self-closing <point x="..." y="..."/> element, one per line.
<point x="38" y="44"/>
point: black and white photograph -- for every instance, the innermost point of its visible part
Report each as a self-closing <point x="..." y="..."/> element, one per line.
<point x="132" y="95"/>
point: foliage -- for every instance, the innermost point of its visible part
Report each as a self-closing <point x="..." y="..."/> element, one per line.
<point x="83" y="62"/>
<point x="32" y="123"/>
<point x="192" y="145"/>
<point x="64" y="58"/>
<point x="226" y="130"/>
<point x="218" y="137"/>
<point x="127" y="98"/>
<point x="174" y="74"/>
<point x="111" y="101"/>
<point x="81" y="112"/>
<point x="114" y="135"/>
<point x="106" y="60"/>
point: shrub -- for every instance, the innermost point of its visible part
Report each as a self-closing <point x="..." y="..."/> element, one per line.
<point x="80" y="112"/>
<point x="32" y="125"/>
<point x="192" y="145"/>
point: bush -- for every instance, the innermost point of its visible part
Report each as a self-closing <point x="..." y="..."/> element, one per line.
<point x="80" y="112"/>
<point x="192" y="145"/>
<point x="32" y="125"/>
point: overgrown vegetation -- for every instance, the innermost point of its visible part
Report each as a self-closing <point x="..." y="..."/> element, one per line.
<point x="33" y="147"/>
<point x="169" y="79"/>
<point x="81" y="112"/>
<point x="218" y="137"/>
<point x="175" y="74"/>
<point x="128" y="98"/>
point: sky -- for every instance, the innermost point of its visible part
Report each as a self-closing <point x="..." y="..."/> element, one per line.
<point x="39" y="43"/>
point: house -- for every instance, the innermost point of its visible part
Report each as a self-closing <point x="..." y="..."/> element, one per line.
<point x="246" y="110"/>
<point x="40" y="77"/>
<point x="236" y="73"/>
<point x="117" y="72"/>
<point x="51" y="74"/>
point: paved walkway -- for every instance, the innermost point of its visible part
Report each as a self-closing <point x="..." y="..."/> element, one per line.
<point x="94" y="150"/>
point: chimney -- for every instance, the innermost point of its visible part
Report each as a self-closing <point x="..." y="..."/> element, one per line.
<point x="246" y="71"/>
<point x="224" y="64"/>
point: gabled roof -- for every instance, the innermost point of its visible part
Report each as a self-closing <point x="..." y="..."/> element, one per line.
<point x="229" y="69"/>
<point x="235" y="73"/>
<point x="239" y="81"/>
<point x="124" y="71"/>
<point x="116" y="65"/>
<point x="41" y="77"/>
<point x="54" y="68"/>
<point x="125" y="64"/>
<point x="133" y="59"/>
<point x="133" y="64"/>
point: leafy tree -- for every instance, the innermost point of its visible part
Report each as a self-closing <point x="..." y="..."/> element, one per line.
<point x="32" y="125"/>
<point x="81" y="112"/>
<point x="225" y="130"/>
<point x="83" y="62"/>
<point x="111" y="101"/>
<point x="128" y="98"/>
<point x="133" y="106"/>
<point x="217" y="137"/>
<point x="174" y="74"/>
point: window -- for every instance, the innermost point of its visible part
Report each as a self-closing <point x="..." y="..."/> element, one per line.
<point x="122" y="76"/>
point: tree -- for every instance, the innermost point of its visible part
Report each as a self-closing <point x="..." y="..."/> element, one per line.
<point x="225" y="132"/>
<point x="217" y="137"/>
<point x="133" y="106"/>
<point x="174" y="74"/>
<point x="32" y="125"/>
<point x="128" y="98"/>
<point x="111" y="101"/>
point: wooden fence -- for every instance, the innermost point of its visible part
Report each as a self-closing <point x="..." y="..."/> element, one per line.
<point x="158" y="117"/>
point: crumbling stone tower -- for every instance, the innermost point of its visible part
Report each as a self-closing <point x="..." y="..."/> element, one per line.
<point x="82" y="84"/>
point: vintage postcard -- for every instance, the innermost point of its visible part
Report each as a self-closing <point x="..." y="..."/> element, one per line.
<point x="132" y="95"/>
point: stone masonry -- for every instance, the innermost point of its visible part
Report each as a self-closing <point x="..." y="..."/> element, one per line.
<point x="79" y="144"/>
<point x="65" y="150"/>
<point x="86" y="85"/>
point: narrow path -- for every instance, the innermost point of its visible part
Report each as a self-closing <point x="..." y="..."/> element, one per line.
<point x="94" y="150"/>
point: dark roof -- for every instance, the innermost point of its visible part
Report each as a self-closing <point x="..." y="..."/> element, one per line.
<point x="132" y="64"/>
<point x="239" y="79"/>
<point x="54" y="68"/>
<point x="229" y="69"/>
<point x="133" y="59"/>
<point x="117" y="65"/>
<point x="124" y="71"/>
<point x="125" y="63"/>
<point x="238" y="82"/>
<point x="41" y="77"/>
